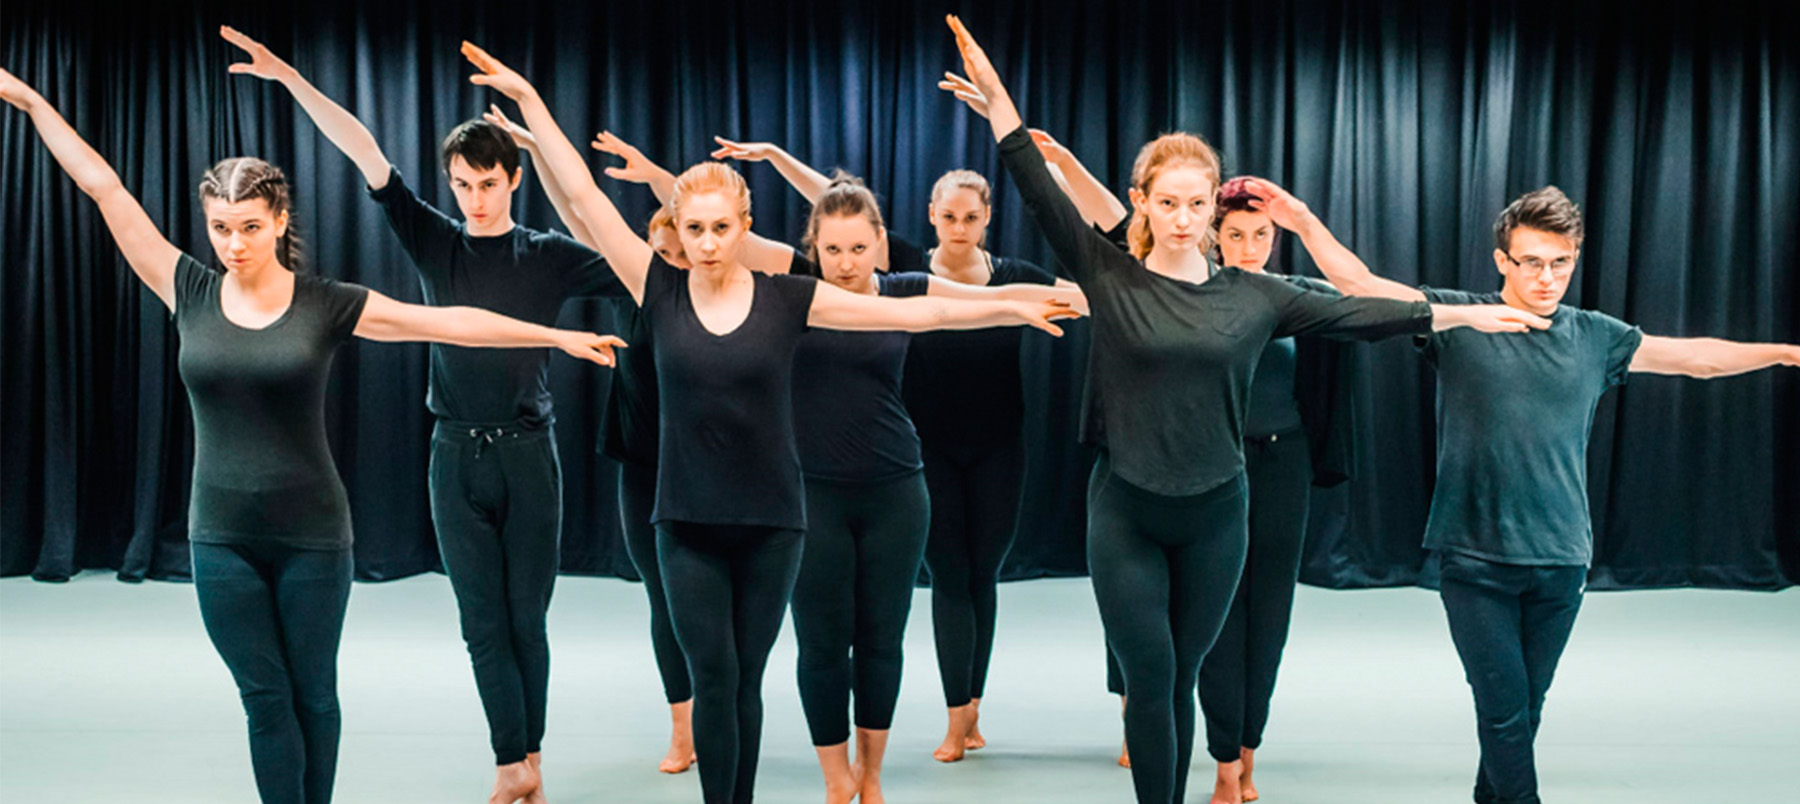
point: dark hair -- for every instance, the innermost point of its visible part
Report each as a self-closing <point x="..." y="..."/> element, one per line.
<point x="1234" y="196"/>
<point x="1546" y="210"/>
<point x="242" y="178"/>
<point x="482" y="145"/>
<point x="846" y="196"/>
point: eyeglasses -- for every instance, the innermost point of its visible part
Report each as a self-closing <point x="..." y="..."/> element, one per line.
<point x="1559" y="267"/>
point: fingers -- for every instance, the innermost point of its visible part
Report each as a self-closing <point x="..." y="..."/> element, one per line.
<point x="480" y="58"/>
<point x="241" y="68"/>
<point x="237" y="37"/>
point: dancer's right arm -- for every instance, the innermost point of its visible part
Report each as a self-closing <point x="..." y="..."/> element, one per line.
<point x="334" y="121"/>
<point x="1097" y="204"/>
<point x="810" y="183"/>
<point x="1347" y="272"/>
<point x="759" y="253"/>
<point x="152" y="256"/>
<point x="628" y="254"/>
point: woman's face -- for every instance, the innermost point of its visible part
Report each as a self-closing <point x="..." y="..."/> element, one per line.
<point x="1179" y="207"/>
<point x="961" y="220"/>
<point x="667" y="243"/>
<point x="712" y="227"/>
<point x="1246" y="238"/>
<point x="847" y="245"/>
<point x="244" y="233"/>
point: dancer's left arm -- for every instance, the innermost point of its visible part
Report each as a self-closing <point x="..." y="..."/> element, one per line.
<point x="1706" y="358"/>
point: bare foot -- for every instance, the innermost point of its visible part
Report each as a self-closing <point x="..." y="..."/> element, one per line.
<point x="513" y="782"/>
<point x="1226" y="789"/>
<point x="1248" y="757"/>
<point x="536" y="796"/>
<point x="975" y="740"/>
<point x="681" y="738"/>
<point x="842" y="781"/>
<point x="956" y="737"/>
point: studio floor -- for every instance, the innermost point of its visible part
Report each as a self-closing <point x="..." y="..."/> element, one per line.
<point x="110" y="693"/>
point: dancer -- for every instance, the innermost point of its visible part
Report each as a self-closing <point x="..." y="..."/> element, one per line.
<point x="1509" y="515"/>
<point x="268" y="518"/>
<point x="965" y="393"/>
<point x="1175" y="342"/>
<point x="496" y="479"/>
<point x="729" y="510"/>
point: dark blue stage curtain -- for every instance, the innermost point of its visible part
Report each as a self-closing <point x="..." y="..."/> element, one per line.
<point x="1407" y="125"/>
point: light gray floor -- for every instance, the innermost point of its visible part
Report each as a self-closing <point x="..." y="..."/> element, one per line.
<point x="110" y="693"/>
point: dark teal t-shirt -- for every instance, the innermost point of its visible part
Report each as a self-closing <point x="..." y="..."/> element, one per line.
<point x="1513" y="417"/>
<point x="262" y="468"/>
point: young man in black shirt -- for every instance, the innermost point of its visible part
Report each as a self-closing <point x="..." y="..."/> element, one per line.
<point x="496" y="481"/>
<point x="1509" y="516"/>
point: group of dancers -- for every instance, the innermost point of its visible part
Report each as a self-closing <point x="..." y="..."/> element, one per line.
<point x="771" y="455"/>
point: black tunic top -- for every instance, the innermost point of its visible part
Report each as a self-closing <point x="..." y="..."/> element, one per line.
<point x="848" y="413"/>
<point x="1171" y="360"/>
<point x="524" y="274"/>
<point x="725" y="451"/>
<point x="262" y="469"/>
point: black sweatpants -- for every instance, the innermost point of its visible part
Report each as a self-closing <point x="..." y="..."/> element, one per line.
<point x="275" y="615"/>
<point x="496" y="499"/>
<point x="1510" y="623"/>
<point x="728" y="588"/>
<point x="864" y="542"/>
<point x="974" y="514"/>
<point x="1237" y="678"/>
<point x="1165" y="570"/>
<point x="637" y="498"/>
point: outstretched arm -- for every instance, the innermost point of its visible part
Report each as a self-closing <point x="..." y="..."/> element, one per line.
<point x="151" y="256"/>
<point x="558" y="199"/>
<point x="384" y="319"/>
<point x="1063" y="294"/>
<point x="1346" y="271"/>
<point x="759" y="253"/>
<point x="810" y="183"/>
<point x="836" y="308"/>
<point x="1706" y="358"/>
<point x="334" y="121"/>
<point x="628" y="254"/>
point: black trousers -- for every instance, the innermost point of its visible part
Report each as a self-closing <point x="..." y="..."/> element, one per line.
<point x="275" y="615"/>
<point x="864" y="542"/>
<point x="1165" y="570"/>
<point x="637" y="498"/>
<point x="728" y="588"/>
<point x="1237" y="678"/>
<point x="496" y="499"/>
<point x="1510" y="623"/>
<point x="974" y="515"/>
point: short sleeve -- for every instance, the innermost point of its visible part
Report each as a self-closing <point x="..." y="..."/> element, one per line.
<point x="1614" y="342"/>
<point x="904" y="285"/>
<point x="904" y="256"/>
<point x="425" y="233"/>
<point x="1430" y="343"/>
<point x="584" y="271"/>
<point x="796" y="294"/>
<point x="659" y="278"/>
<point x="193" y="283"/>
<point x="343" y="307"/>
<point x="801" y="265"/>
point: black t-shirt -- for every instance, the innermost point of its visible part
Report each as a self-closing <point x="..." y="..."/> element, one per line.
<point x="1274" y="401"/>
<point x="964" y="388"/>
<point x="630" y="426"/>
<point x="725" y="451"/>
<point x="1514" y="414"/>
<point x="848" y="414"/>
<point x="262" y="469"/>
<point x="524" y="274"/>
<point x="1171" y="360"/>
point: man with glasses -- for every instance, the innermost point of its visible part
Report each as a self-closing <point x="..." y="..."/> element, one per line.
<point x="1509" y="515"/>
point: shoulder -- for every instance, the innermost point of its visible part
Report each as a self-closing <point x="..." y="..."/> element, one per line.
<point x="1451" y="296"/>
<point x="1010" y="270"/>
<point x="912" y="283"/>
<point x="1309" y="283"/>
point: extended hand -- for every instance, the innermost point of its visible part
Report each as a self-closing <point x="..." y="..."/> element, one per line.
<point x="263" y="64"/>
<point x="16" y="92"/>
<point x="591" y="347"/>
<point x="637" y="169"/>
<point x="744" y="151"/>
<point x="521" y="135"/>
<point x="1040" y="314"/>
<point x="975" y="61"/>
<point x="1284" y="209"/>
<point x="1499" y="318"/>
<point x="965" y="91"/>
<point x="1053" y="151"/>
<point x="494" y="74"/>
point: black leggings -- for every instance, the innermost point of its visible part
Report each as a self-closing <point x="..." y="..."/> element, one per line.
<point x="1165" y="570"/>
<point x="637" y="498"/>
<point x="496" y="499"/>
<point x="275" y="615"/>
<point x="974" y="513"/>
<point x="1237" y="679"/>
<point x="864" y="542"/>
<point x="728" y="587"/>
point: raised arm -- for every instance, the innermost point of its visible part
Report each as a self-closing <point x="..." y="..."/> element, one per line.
<point x="1097" y="204"/>
<point x="628" y="254"/>
<point x="151" y="256"/>
<point x="384" y="319"/>
<point x="1706" y="358"/>
<point x="553" y="189"/>
<point x="810" y="183"/>
<point x="334" y="121"/>
<point x="836" y="308"/>
<point x="1346" y="271"/>
<point x="759" y="253"/>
